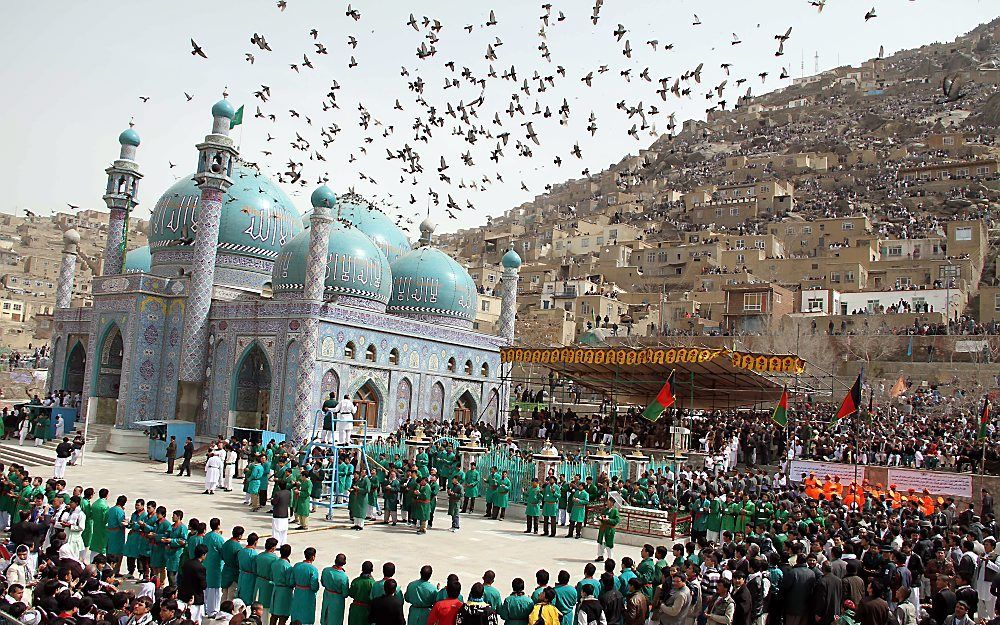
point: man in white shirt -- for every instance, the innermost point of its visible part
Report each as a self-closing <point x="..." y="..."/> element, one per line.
<point x="213" y="471"/>
<point x="344" y="426"/>
<point x="228" y="468"/>
<point x="73" y="521"/>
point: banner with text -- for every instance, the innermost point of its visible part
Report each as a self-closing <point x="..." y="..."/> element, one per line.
<point x="847" y="472"/>
<point x="937" y="482"/>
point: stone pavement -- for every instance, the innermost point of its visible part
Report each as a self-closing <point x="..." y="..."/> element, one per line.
<point x="481" y="544"/>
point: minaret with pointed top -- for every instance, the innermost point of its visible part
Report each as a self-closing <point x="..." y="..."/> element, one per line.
<point x="427" y="227"/>
<point x="121" y="196"/>
<point x="67" y="270"/>
<point x="323" y="200"/>
<point x="508" y="316"/>
<point x="215" y="166"/>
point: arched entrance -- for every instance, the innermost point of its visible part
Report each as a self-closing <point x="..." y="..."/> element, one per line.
<point x="436" y="403"/>
<point x="367" y="403"/>
<point x="404" y="397"/>
<point x="251" y="397"/>
<point x="108" y="375"/>
<point x="330" y="384"/>
<point x="465" y="408"/>
<point x="76" y="364"/>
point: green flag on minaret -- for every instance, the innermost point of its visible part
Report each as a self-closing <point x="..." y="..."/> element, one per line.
<point x="237" y="118"/>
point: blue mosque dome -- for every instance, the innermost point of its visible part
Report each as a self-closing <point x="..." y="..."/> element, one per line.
<point x="428" y="283"/>
<point x="257" y="220"/>
<point x="138" y="260"/>
<point x="511" y="260"/>
<point x="377" y="225"/>
<point x="223" y="108"/>
<point x="129" y="137"/>
<point x="356" y="269"/>
<point x="323" y="196"/>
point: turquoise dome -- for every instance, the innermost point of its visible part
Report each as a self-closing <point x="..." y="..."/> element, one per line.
<point x="355" y="267"/>
<point x="257" y="217"/>
<point x="129" y="137"/>
<point x="223" y="108"/>
<point x="323" y="197"/>
<point x="376" y="224"/>
<point x="138" y="260"/>
<point x="511" y="260"/>
<point x="428" y="283"/>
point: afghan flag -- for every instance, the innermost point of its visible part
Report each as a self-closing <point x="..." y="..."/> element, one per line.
<point x="852" y="401"/>
<point x="664" y="399"/>
<point x="984" y="418"/>
<point x="237" y="118"/>
<point x="780" y="414"/>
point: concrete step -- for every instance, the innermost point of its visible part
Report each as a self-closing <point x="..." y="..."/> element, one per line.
<point x="28" y="455"/>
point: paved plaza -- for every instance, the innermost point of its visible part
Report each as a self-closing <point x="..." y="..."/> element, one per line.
<point x="481" y="544"/>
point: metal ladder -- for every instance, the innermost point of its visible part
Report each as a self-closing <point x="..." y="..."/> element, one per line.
<point x="330" y="493"/>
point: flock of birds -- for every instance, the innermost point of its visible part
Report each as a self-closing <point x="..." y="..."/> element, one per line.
<point x="496" y="112"/>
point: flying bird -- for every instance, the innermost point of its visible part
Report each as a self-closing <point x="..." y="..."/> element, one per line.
<point x="196" y="50"/>
<point x="870" y="14"/>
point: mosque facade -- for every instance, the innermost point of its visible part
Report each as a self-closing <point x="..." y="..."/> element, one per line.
<point x="242" y="313"/>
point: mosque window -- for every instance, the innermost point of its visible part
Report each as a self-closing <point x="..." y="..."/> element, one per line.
<point x="485" y="370"/>
<point x="394" y="357"/>
<point x="349" y="350"/>
<point x="370" y="353"/>
<point x="468" y="367"/>
<point x="452" y="365"/>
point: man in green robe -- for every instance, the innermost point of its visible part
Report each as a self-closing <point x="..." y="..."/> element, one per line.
<point x="490" y="487"/>
<point x="501" y="496"/>
<point x="422" y="461"/>
<point x="490" y="594"/>
<point x="422" y="504"/>
<point x="566" y="596"/>
<point x="251" y="483"/>
<point x="135" y="543"/>
<point x="345" y="477"/>
<point x="578" y="514"/>
<point x="516" y="608"/>
<point x="336" y="585"/>
<point x="99" y="514"/>
<point x="421" y="595"/>
<point x="412" y="483"/>
<point x="360" y="591"/>
<point x="247" y="580"/>
<point x="115" y="527"/>
<point x="159" y="528"/>
<point x="230" y="563"/>
<point x="86" y="501"/>
<point x="357" y="503"/>
<point x="470" y="481"/>
<point x="532" y="506"/>
<point x="263" y="586"/>
<point x="302" y="502"/>
<point x="390" y="498"/>
<point x="646" y="571"/>
<point x="606" y="534"/>
<point x="214" y="542"/>
<point x="306" y="578"/>
<point x="174" y="546"/>
<point x="550" y="505"/>
<point x="714" y="525"/>
<point x="282" y="582"/>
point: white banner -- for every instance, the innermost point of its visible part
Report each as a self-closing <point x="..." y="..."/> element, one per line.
<point x="937" y="482"/>
<point x="971" y="346"/>
<point x="847" y="472"/>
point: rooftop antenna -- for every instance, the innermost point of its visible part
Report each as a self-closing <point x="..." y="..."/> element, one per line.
<point x="817" y="61"/>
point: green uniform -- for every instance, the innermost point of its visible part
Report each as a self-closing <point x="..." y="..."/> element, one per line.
<point x="303" y="497"/>
<point x="501" y="495"/>
<point x="746" y="516"/>
<point x="345" y="477"/>
<point x="99" y="514"/>
<point x="158" y="550"/>
<point x="177" y="541"/>
<point x="471" y="483"/>
<point x="357" y="503"/>
<point x="335" y="584"/>
<point x="492" y="596"/>
<point x="565" y="602"/>
<point x="714" y="523"/>
<point x="88" y="526"/>
<point x="515" y="609"/>
<point x="646" y="572"/>
<point x="378" y="589"/>
<point x="253" y="475"/>
<point x="306" y="579"/>
<point x="115" y="526"/>
<point x="422" y="502"/>
<point x="247" y="581"/>
<point x="213" y="559"/>
<point x="550" y="500"/>
<point x="282" y="583"/>
<point x="421" y="596"/>
<point x="533" y="501"/>
<point x="491" y="487"/>
<point x="230" y="562"/>
<point x="729" y="514"/>
<point x="263" y="586"/>
<point x="390" y="494"/>
<point x="606" y="533"/>
<point x="580" y="501"/>
<point x="361" y="591"/>
<point x="136" y="542"/>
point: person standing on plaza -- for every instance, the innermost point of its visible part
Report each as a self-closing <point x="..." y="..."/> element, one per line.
<point x="213" y="471"/>
<point x="99" y="515"/>
<point x="63" y="451"/>
<point x="262" y="564"/>
<point x="115" y="527"/>
<point x="360" y="591"/>
<point x="283" y="585"/>
<point x="230" y="563"/>
<point x="251" y="483"/>
<point x="188" y="455"/>
<point x="444" y="611"/>
<point x="550" y="506"/>
<point x="357" y="503"/>
<point x="281" y="501"/>
<point x="455" y="495"/>
<point x="228" y="468"/>
<point x="303" y="501"/>
<point x="387" y="609"/>
<point x="578" y="514"/>
<point x="336" y="585"/>
<point x="421" y="595"/>
<point x="345" y="420"/>
<point x="422" y="504"/>
<point x="532" y="506"/>
<point x="214" y="544"/>
<point x="390" y="498"/>
<point x="566" y="598"/>
<point x="517" y="606"/>
<point x="246" y="584"/>
<point x="306" y="578"/>
<point x="606" y="533"/>
<point x="490" y="594"/>
<point x="171" y="454"/>
<point x="470" y="481"/>
<point x="378" y="588"/>
<point x="174" y="544"/>
<point x="193" y="583"/>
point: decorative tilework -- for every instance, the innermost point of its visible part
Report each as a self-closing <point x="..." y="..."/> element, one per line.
<point x="114" y="250"/>
<point x="67" y="274"/>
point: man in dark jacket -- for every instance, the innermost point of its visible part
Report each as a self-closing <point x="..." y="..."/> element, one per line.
<point x="943" y="600"/>
<point x="853" y="587"/>
<point x="827" y="596"/>
<point x="742" y="600"/>
<point x="797" y="587"/>
<point x="611" y="600"/>
<point x="387" y="609"/>
<point x="188" y="454"/>
<point x="171" y="454"/>
<point x="192" y="583"/>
